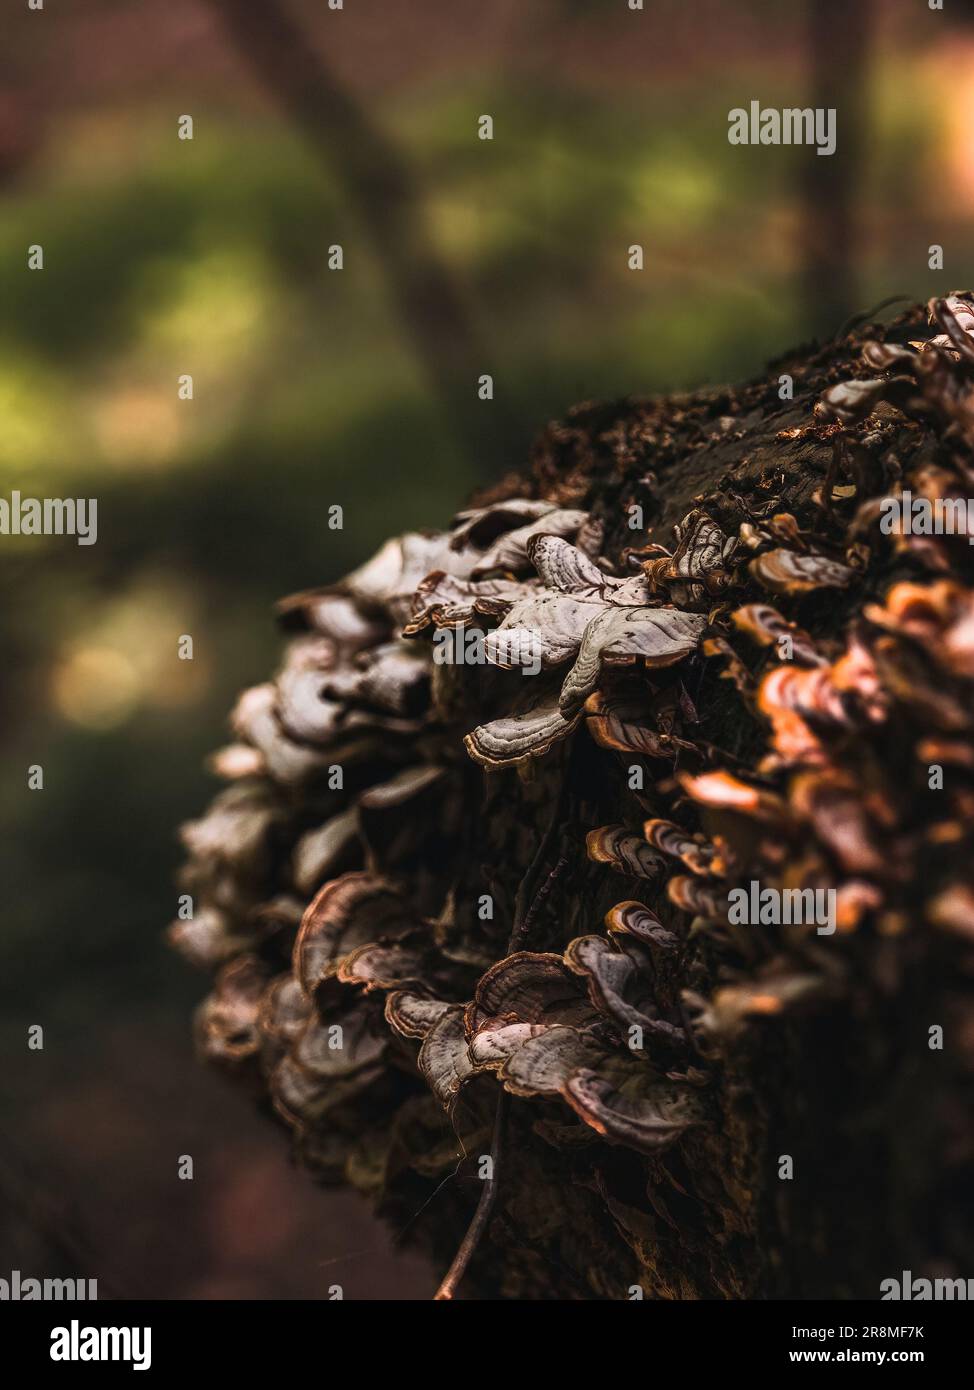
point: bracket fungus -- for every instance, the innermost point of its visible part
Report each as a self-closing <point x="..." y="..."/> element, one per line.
<point x="506" y="925"/>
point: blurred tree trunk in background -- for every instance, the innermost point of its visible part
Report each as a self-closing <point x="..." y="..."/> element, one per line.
<point x="429" y="303"/>
<point x="838" y="46"/>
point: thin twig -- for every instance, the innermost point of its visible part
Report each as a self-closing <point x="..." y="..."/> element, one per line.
<point x="485" y="1207"/>
<point x="524" y="918"/>
<point x="542" y="893"/>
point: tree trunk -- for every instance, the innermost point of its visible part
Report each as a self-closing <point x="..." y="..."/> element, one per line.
<point x="783" y="1122"/>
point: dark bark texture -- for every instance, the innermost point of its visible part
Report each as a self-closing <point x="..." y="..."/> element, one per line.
<point x="491" y="960"/>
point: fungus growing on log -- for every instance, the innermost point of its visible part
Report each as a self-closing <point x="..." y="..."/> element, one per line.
<point x="489" y="936"/>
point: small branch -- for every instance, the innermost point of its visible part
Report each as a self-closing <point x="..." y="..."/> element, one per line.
<point x="485" y="1207"/>
<point x="524" y="918"/>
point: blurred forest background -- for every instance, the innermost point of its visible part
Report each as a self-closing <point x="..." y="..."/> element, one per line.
<point x="313" y="387"/>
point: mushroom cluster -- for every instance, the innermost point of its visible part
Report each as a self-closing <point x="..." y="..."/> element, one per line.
<point x="431" y="879"/>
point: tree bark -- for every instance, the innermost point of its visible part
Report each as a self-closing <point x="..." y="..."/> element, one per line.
<point x="834" y="1141"/>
